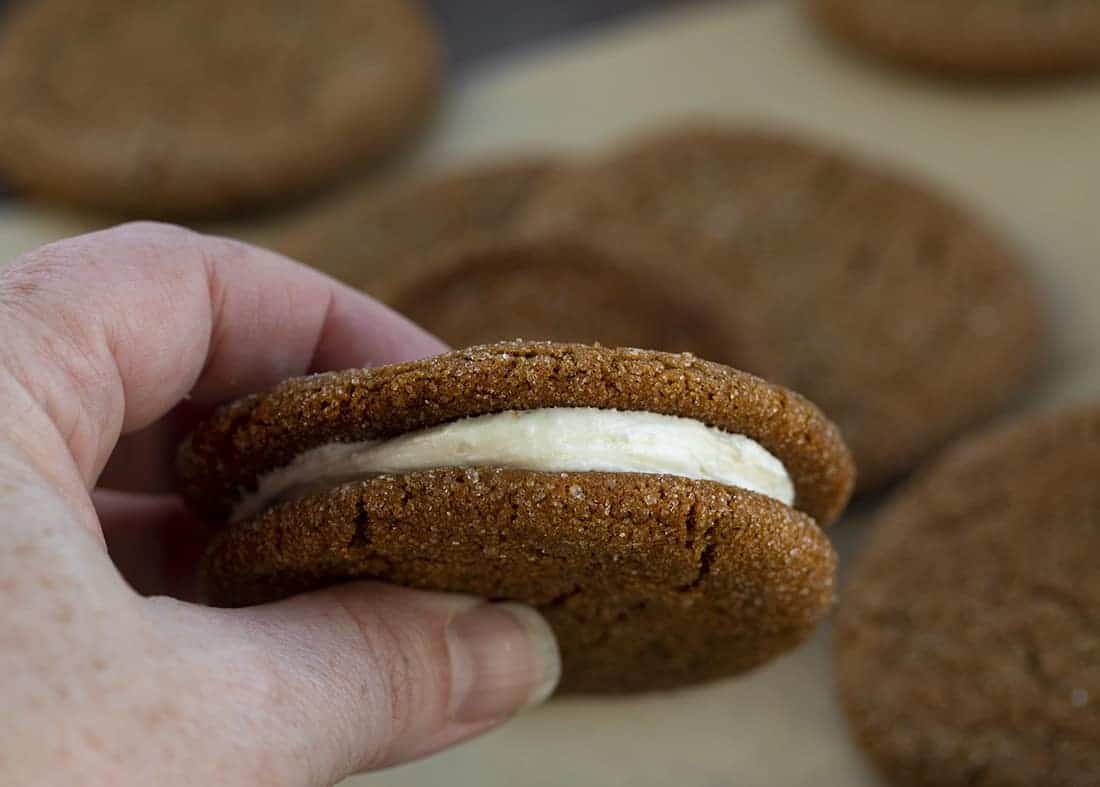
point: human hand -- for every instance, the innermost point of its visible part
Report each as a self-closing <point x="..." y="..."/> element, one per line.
<point x="105" y="335"/>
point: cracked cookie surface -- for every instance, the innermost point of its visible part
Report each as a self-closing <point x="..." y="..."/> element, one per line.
<point x="968" y="638"/>
<point x="649" y="582"/>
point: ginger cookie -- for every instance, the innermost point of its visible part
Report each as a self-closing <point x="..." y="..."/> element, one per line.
<point x="369" y="235"/>
<point x="658" y="509"/>
<point x="968" y="638"/>
<point x="891" y="308"/>
<point x="612" y="288"/>
<point x="202" y="108"/>
<point x="978" y="37"/>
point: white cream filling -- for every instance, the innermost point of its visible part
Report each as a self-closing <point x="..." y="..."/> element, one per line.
<point x="556" y="439"/>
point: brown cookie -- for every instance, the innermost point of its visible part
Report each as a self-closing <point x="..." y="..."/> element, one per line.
<point x="895" y="311"/>
<point x="974" y="36"/>
<point x="650" y="580"/>
<point x="613" y="288"/>
<point x="968" y="640"/>
<point x="201" y="107"/>
<point x="369" y="235"/>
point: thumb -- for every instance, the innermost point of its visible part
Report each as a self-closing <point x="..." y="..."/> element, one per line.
<point x="366" y="675"/>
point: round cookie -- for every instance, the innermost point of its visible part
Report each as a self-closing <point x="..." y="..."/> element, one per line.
<point x="975" y="36"/>
<point x="897" y="313"/>
<point x="968" y="640"/>
<point x="367" y="236"/>
<point x="612" y="288"/>
<point x="650" y="580"/>
<point x="200" y="107"/>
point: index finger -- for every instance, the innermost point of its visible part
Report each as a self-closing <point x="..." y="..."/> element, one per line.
<point x="108" y="331"/>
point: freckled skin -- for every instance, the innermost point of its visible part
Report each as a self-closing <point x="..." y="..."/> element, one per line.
<point x="100" y="685"/>
<point x="101" y="682"/>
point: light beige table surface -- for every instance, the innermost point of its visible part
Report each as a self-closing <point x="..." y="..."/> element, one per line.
<point x="1027" y="158"/>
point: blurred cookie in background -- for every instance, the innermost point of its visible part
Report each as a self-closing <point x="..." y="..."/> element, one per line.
<point x="367" y="235"/>
<point x="891" y="308"/>
<point x="615" y="288"/>
<point x="202" y="108"/>
<point x="968" y="638"/>
<point x="976" y="37"/>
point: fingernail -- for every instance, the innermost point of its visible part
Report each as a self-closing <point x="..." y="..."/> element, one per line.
<point x="504" y="658"/>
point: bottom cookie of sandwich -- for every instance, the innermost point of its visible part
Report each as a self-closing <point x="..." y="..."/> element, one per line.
<point x="649" y="581"/>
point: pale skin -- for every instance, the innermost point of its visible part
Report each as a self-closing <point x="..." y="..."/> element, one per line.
<point x="108" y="674"/>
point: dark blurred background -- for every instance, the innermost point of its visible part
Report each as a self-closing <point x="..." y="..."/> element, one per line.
<point x="476" y="30"/>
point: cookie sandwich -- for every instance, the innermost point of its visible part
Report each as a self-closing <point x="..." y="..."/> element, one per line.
<point x="663" y="512"/>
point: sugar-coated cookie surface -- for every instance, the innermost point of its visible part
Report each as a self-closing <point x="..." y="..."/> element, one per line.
<point x="900" y="315"/>
<point x="649" y="582"/>
<point x="968" y="637"/>
<point x="203" y="107"/>
<point x="254" y="435"/>
<point x="978" y="37"/>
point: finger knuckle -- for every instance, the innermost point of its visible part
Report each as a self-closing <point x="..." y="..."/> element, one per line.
<point x="406" y="679"/>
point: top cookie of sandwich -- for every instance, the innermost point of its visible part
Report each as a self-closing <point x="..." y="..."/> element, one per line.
<point x="975" y="36"/>
<point x="245" y="440"/>
<point x="200" y="107"/>
<point x="893" y="310"/>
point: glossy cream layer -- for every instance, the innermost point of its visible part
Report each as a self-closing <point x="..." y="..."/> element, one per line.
<point x="560" y="439"/>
